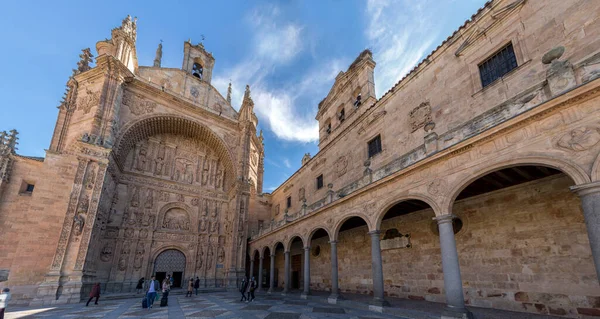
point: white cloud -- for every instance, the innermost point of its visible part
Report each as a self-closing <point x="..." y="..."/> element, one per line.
<point x="277" y="44"/>
<point x="400" y="32"/>
<point x="287" y="163"/>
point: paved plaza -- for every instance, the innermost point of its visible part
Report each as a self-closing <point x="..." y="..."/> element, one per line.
<point x="213" y="305"/>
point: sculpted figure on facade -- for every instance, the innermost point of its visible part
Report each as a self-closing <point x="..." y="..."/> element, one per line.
<point x="221" y="255"/>
<point x="580" y="139"/>
<point x="91" y="177"/>
<point x="78" y="222"/>
<point x="160" y="160"/>
<point x="203" y="226"/>
<point x="142" y="157"/>
<point x="209" y="257"/>
<point x="135" y="197"/>
<point x="149" y="198"/>
<point x="220" y="177"/>
<point x="124" y="256"/>
<point x="176" y="219"/>
<point x="106" y="253"/>
<point x="139" y="256"/>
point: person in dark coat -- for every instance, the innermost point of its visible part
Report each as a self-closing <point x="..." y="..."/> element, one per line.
<point x="243" y="288"/>
<point x="197" y="285"/>
<point x="251" y="289"/>
<point x="140" y="285"/>
<point x="94" y="293"/>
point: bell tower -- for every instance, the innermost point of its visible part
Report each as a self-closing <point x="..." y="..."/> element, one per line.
<point x="197" y="61"/>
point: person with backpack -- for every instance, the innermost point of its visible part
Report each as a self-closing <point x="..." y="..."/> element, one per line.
<point x="244" y="286"/>
<point x="251" y="288"/>
<point x="197" y="285"/>
<point x="153" y="287"/>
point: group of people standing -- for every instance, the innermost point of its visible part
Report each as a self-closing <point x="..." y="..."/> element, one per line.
<point x="247" y="289"/>
<point x="193" y="285"/>
<point x="152" y="288"/>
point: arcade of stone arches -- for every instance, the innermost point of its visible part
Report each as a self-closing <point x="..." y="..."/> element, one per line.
<point x="502" y="228"/>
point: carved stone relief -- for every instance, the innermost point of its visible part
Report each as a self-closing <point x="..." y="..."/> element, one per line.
<point x="579" y="139"/>
<point x="88" y="100"/>
<point x="139" y="256"/>
<point x="176" y="219"/>
<point x="124" y="256"/>
<point x="138" y="105"/>
<point x="341" y="165"/>
<point x="106" y="253"/>
<point x="437" y="187"/>
<point x="420" y="116"/>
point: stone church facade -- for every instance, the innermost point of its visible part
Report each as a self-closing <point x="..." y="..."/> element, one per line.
<point x="474" y="181"/>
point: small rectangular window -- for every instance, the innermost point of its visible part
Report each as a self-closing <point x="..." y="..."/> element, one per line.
<point x="26" y="188"/>
<point x="320" y="181"/>
<point x="375" y="146"/>
<point x="342" y="115"/>
<point x="497" y="65"/>
<point x="29" y="188"/>
<point x="289" y="202"/>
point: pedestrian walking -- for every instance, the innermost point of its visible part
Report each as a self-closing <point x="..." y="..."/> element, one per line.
<point x="153" y="287"/>
<point x="244" y="286"/>
<point x="197" y="285"/>
<point x="252" y="288"/>
<point x="166" y="287"/>
<point x="140" y="285"/>
<point x="95" y="293"/>
<point x="4" y="299"/>
<point x="190" y="290"/>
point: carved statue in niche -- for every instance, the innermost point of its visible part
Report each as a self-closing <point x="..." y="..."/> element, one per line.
<point x="183" y="171"/>
<point x="106" y="253"/>
<point x="160" y="160"/>
<point x="202" y="227"/>
<point x="227" y="225"/>
<point x="78" y="222"/>
<point x="84" y="204"/>
<point x="139" y="217"/>
<point x="205" y="204"/>
<point x="124" y="255"/>
<point x="141" y="159"/>
<point x="209" y="258"/>
<point x="176" y="219"/>
<point x="188" y="175"/>
<point x="205" y="170"/>
<point x="200" y="257"/>
<point x="91" y="177"/>
<point x="139" y="256"/>
<point x="148" y="220"/>
<point x="135" y="198"/>
<point x="221" y="255"/>
<point x="220" y="177"/>
<point x="149" y="198"/>
<point x="214" y="226"/>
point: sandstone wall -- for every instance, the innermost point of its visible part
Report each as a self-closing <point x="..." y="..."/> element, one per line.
<point x="31" y="224"/>
<point x="523" y="248"/>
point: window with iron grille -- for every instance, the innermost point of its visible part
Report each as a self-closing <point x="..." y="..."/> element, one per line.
<point x="375" y="146"/>
<point x="497" y="65"/>
<point x="289" y="201"/>
<point x="320" y="181"/>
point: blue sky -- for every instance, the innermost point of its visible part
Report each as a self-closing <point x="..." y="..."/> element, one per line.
<point x="288" y="51"/>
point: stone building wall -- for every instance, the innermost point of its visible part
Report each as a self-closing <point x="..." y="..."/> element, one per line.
<point x="445" y="90"/>
<point x="31" y="224"/>
<point x="523" y="248"/>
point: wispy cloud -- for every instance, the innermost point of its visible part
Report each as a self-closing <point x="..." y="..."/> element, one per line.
<point x="400" y="33"/>
<point x="287" y="163"/>
<point x="276" y="44"/>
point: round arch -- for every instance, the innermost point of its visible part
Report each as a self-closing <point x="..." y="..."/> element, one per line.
<point x="338" y="225"/>
<point x="312" y="232"/>
<point x="576" y="173"/>
<point x="396" y="200"/>
<point x="273" y="247"/>
<point x="140" y="129"/>
<point x="253" y="253"/>
<point x="164" y="249"/>
<point x="264" y="250"/>
<point x="288" y="245"/>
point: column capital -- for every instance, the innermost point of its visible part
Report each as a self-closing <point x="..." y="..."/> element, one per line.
<point x="442" y="219"/>
<point x="374" y="233"/>
<point x="586" y="189"/>
<point x="307" y="248"/>
<point x="272" y="255"/>
<point x="333" y="242"/>
<point x="286" y="252"/>
<point x="252" y="260"/>
<point x="261" y="257"/>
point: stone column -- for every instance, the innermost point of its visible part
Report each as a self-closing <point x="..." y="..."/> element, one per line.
<point x="377" y="270"/>
<point x="590" y="202"/>
<point x="251" y="269"/>
<point x="306" y="291"/>
<point x="335" y="291"/>
<point x="272" y="274"/>
<point x="286" y="279"/>
<point x="455" y="301"/>
<point x="260" y="273"/>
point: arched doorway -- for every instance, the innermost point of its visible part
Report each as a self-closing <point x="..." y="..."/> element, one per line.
<point x="170" y="262"/>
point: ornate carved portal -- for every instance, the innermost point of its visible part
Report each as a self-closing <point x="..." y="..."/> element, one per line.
<point x="171" y="193"/>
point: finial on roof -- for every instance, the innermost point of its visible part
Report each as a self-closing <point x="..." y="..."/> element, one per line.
<point x="84" y="62"/>
<point x="229" y="93"/>
<point x="8" y="142"/>
<point x="247" y="92"/>
<point x="158" y="56"/>
<point x="261" y="138"/>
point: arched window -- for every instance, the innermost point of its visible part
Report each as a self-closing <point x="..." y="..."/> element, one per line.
<point x="197" y="70"/>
